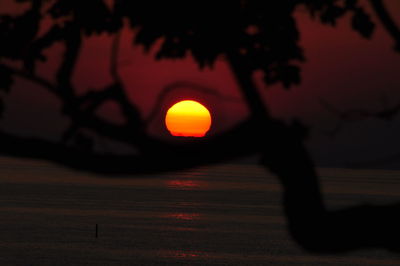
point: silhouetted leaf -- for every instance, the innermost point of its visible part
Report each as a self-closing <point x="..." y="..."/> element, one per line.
<point x="207" y="35"/>
<point x="17" y="32"/>
<point x="287" y="74"/>
<point x="93" y="16"/>
<point x="147" y="37"/>
<point x="331" y="14"/>
<point x="35" y="51"/>
<point x="184" y="28"/>
<point x="362" y="23"/>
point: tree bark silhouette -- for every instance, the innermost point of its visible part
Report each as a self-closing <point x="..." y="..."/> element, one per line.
<point x="310" y="223"/>
<point x="387" y="21"/>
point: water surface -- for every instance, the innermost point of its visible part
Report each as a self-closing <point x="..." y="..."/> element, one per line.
<point x="219" y="215"/>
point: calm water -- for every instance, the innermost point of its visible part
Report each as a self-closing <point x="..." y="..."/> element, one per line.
<point x="219" y="215"/>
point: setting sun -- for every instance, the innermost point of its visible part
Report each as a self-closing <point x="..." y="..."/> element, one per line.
<point x="188" y="119"/>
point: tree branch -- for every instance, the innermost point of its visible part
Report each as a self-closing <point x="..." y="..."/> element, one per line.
<point x="114" y="57"/>
<point x="87" y="104"/>
<point x="73" y="42"/>
<point x="187" y="85"/>
<point x="56" y="33"/>
<point x="33" y="78"/>
<point x="388" y="113"/>
<point x="158" y="157"/>
<point x="81" y="109"/>
<point x="131" y="112"/>
<point x="248" y="88"/>
<point x="387" y="21"/>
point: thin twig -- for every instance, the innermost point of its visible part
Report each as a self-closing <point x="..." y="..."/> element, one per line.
<point x="114" y="57"/>
<point x="387" y="113"/>
<point x="64" y="75"/>
<point x="33" y="78"/>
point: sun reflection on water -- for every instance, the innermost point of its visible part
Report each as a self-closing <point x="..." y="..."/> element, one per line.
<point x="186" y="214"/>
<point x="185" y="184"/>
<point x="183" y="216"/>
<point x="187" y="181"/>
<point x="183" y="254"/>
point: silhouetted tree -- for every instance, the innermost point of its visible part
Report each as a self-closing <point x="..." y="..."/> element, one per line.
<point x="251" y="35"/>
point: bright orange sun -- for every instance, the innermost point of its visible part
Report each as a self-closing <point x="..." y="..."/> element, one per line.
<point x="188" y="119"/>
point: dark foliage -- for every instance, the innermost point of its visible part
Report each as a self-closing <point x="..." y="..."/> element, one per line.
<point x="252" y="36"/>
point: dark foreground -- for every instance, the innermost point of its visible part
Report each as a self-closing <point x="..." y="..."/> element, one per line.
<point x="220" y="215"/>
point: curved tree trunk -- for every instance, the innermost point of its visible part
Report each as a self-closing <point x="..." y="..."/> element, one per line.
<point x="310" y="224"/>
<point x="243" y="75"/>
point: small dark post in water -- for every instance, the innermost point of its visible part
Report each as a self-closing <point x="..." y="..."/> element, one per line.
<point x="97" y="230"/>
